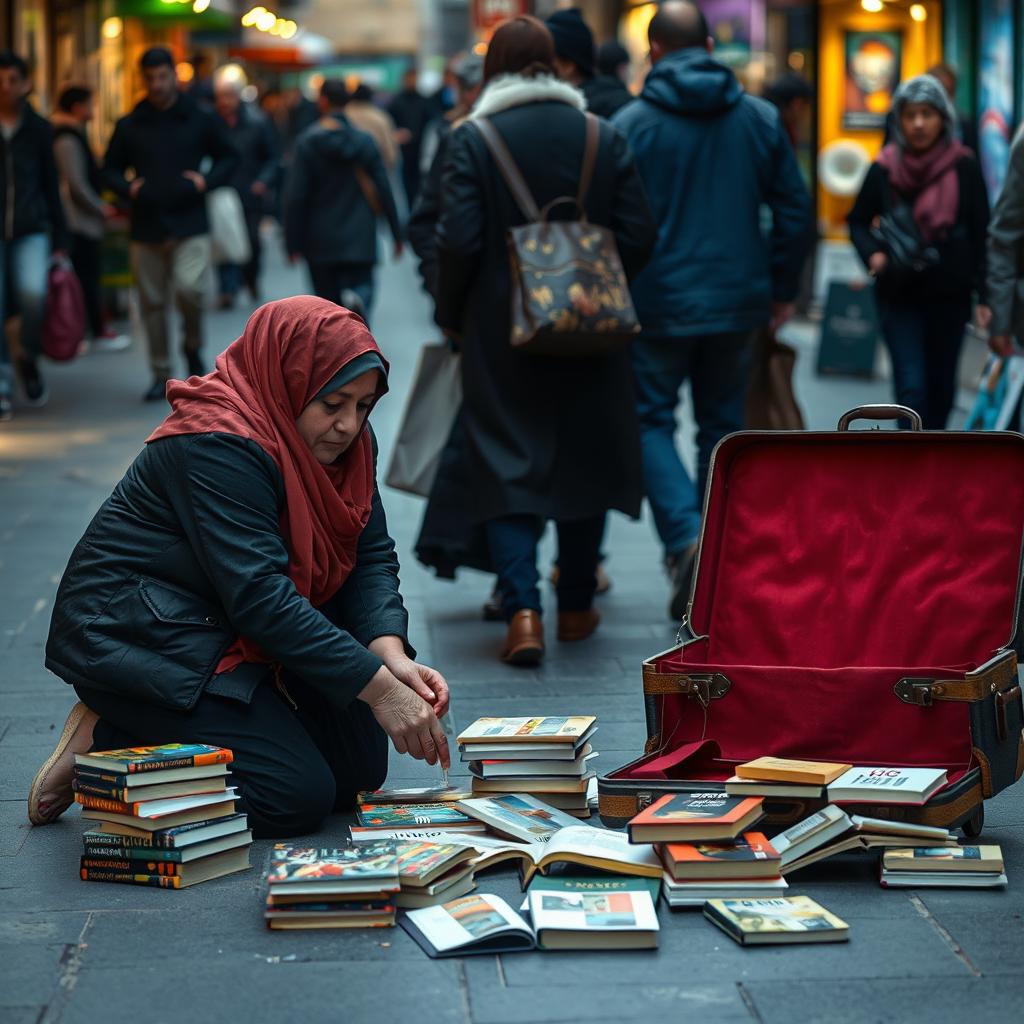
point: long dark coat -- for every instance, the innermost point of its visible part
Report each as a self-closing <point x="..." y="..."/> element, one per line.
<point x="551" y="437"/>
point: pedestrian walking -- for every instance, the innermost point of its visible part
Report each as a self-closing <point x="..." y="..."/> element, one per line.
<point x="549" y="438"/>
<point x="363" y="113"/>
<point x="337" y="187"/>
<point x="412" y="112"/>
<point x="254" y="179"/>
<point x="919" y="224"/>
<point x="164" y="141"/>
<point x="240" y="587"/>
<point x="710" y="157"/>
<point x="609" y="91"/>
<point x="574" y="63"/>
<point x="1003" y="314"/>
<point x="87" y="213"/>
<point x="34" y="229"/>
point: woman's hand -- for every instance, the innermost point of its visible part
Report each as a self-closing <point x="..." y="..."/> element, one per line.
<point x="407" y="718"/>
<point x="426" y="681"/>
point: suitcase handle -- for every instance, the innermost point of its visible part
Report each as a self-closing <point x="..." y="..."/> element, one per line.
<point x="879" y="412"/>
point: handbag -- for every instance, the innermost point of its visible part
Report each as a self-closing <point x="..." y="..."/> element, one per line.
<point x="897" y="231"/>
<point x="999" y="395"/>
<point x="229" y="236"/>
<point x="64" y="316"/>
<point x="771" y="402"/>
<point x="430" y="411"/>
<point x="569" y="291"/>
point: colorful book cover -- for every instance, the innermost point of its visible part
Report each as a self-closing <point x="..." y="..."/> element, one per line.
<point x="154" y="808"/>
<point x="130" y="866"/>
<point x="156" y="881"/>
<point x="376" y="862"/>
<point x="703" y="808"/>
<point x="752" y="846"/>
<point x="420" y="795"/>
<point x="148" y="759"/>
<point x="944" y="858"/>
<point x="785" y="917"/>
<point x="550" y="729"/>
<point x="410" y="815"/>
<point x="416" y="860"/>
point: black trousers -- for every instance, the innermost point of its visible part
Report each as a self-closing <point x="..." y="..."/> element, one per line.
<point x="331" y="279"/>
<point x="292" y="767"/>
<point x="85" y="258"/>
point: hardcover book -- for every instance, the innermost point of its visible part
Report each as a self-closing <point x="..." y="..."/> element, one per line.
<point x="750" y="856"/>
<point x="688" y="817"/>
<point x="784" y="769"/>
<point x="155" y="809"/>
<point x="364" y="867"/>
<point x="159" y="777"/>
<point x="409" y="816"/>
<point x="129" y="760"/>
<point x="696" y="893"/>
<point x="170" y="876"/>
<point x="144" y="854"/>
<point x="419" y="863"/>
<point x="887" y="785"/>
<point x="419" y="795"/>
<point x="944" y="859"/>
<point x="206" y="813"/>
<point x="552" y="729"/>
<point x="497" y="769"/>
<point x="555" y="785"/>
<point x="517" y="815"/>
<point x="126" y="836"/>
<point x="126" y="796"/>
<point x="735" y="786"/>
<point x="783" y="919"/>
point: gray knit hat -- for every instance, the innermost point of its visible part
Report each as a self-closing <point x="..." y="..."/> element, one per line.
<point x="923" y="89"/>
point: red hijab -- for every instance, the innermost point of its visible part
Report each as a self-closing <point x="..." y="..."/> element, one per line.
<point x="288" y="351"/>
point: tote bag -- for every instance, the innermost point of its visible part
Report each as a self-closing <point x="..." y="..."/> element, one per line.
<point x="228" y="233"/>
<point x="430" y="412"/>
<point x="64" y="318"/>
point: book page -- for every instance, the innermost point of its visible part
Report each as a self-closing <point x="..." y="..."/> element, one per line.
<point x="588" y="841"/>
<point x="593" y="911"/>
<point x="467" y="920"/>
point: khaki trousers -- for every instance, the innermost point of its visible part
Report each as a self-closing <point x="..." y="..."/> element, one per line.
<point x="178" y="267"/>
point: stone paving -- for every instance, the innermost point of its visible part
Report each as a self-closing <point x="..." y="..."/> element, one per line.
<point x="76" y="952"/>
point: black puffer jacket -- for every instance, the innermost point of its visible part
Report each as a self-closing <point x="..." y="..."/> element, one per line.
<point x="605" y="94"/>
<point x="327" y="217"/>
<point x="29" y="188"/>
<point x="185" y="555"/>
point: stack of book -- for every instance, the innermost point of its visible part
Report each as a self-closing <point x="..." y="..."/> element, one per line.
<point x="546" y="757"/>
<point x="354" y="886"/>
<point x="748" y="867"/>
<point x="433" y="873"/>
<point x="971" y="867"/>
<point x="163" y="816"/>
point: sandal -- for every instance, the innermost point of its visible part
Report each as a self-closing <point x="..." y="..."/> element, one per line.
<point x="51" y="812"/>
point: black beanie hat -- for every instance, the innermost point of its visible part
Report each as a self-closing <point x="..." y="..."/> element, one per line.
<point x="573" y="39"/>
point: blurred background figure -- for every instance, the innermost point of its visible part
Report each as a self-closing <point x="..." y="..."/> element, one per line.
<point x="411" y="112"/>
<point x="201" y="88"/>
<point x="34" y="228"/>
<point x="919" y="224"/>
<point x="791" y="95"/>
<point x="254" y="179"/>
<point x="81" y="183"/>
<point x="609" y="90"/>
<point x="337" y="187"/>
<point x="364" y="114"/>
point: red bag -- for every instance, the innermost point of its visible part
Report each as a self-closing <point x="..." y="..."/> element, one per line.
<point x="64" y="321"/>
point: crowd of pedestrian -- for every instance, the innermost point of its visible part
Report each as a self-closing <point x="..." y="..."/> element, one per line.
<point x="694" y="182"/>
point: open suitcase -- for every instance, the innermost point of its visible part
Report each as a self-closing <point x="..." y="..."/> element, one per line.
<point x="857" y="598"/>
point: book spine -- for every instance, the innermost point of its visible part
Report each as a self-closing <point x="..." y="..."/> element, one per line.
<point x="138" y="852"/>
<point x="99" y="789"/>
<point x="127" y="866"/>
<point x="157" y="881"/>
<point x="112" y="839"/>
<point x="100" y="803"/>
<point x="190" y="761"/>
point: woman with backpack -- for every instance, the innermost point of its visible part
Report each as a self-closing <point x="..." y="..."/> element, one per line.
<point x="919" y="225"/>
<point x="550" y="437"/>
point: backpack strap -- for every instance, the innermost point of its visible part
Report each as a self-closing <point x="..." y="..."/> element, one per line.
<point x="589" y="158"/>
<point x="509" y="171"/>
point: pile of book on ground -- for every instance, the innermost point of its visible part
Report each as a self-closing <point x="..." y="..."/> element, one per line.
<point x="160" y="816"/>
<point x="544" y="757"/>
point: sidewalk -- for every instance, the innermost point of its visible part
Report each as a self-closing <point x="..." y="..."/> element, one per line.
<point x="77" y="952"/>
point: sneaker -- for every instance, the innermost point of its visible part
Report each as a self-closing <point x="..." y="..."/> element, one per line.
<point x="157" y="390"/>
<point x="680" y="570"/>
<point x="6" y="408"/>
<point x="110" y="341"/>
<point x="195" y="364"/>
<point x="32" y="383"/>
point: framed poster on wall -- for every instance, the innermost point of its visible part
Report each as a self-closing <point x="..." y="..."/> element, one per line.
<point x="995" y="90"/>
<point x="872" y="73"/>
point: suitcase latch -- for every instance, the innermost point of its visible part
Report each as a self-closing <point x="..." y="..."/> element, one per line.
<point x="915" y="691"/>
<point x="644" y="800"/>
<point x="706" y="687"/>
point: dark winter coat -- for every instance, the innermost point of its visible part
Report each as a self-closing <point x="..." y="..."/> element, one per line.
<point x="551" y="437"/>
<point x="605" y="94"/>
<point x="327" y="217"/>
<point x="422" y="227"/>
<point x="186" y="554"/>
<point x="962" y="254"/>
<point x="710" y="156"/>
<point x="258" y="160"/>
<point x="29" y="187"/>
<point x="159" y="145"/>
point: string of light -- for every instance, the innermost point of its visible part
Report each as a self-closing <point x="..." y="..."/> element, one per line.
<point x="263" y="20"/>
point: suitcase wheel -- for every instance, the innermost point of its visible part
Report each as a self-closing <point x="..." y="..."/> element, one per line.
<point x="973" y="826"/>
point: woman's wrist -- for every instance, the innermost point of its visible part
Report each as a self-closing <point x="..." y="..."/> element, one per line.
<point x="381" y="683"/>
<point x="389" y="649"/>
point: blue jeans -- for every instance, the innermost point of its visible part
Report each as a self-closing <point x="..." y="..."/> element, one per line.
<point x="513" y="543"/>
<point x="924" y="341"/>
<point x="24" y="265"/>
<point x="717" y="367"/>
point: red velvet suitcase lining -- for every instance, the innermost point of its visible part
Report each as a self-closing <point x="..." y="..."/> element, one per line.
<point x="831" y="566"/>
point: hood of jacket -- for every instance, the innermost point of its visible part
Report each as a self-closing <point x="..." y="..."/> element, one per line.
<point x="691" y="81"/>
<point x="341" y="143"/>
<point x="506" y="91"/>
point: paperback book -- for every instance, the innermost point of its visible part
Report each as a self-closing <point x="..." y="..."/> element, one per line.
<point x="562" y="730"/>
<point x="370" y="867"/>
<point x="887" y="785"/>
<point x="517" y="815"/>
<point x="784" y="769"/>
<point x="90" y="786"/>
<point x="961" y="867"/>
<point x="162" y="874"/>
<point x="691" y="817"/>
<point x="420" y="795"/>
<point x="175" y="838"/>
<point x="411" y="816"/>
<point x="749" y="856"/>
<point x="131" y="760"/>
<point x="475" y="924"/>
<point x="697" y="893"/>
<point x="782" y="919"/>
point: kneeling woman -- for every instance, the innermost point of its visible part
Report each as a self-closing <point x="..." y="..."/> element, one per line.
<point x="240" y="588"/>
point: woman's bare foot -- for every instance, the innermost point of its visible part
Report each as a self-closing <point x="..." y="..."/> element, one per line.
<point x="50" y="794"/>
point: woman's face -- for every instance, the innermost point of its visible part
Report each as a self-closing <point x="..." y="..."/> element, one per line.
<point x="330" y="424"/>
<point x="921" y="124"/>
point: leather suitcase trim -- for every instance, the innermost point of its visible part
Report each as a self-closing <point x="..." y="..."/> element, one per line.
<point x="704" y="686"/>
<point x="986" y="771"/>
<point x="943" y="815"/>
<point x="976" y="686"/>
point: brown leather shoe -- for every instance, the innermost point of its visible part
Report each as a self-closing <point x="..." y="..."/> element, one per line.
<point x="574" y="626"/>
<point x="50" y="794"/>
<point x="524" y="644"/>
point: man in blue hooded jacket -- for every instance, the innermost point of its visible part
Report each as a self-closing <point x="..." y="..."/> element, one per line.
<point x="710" y="157"/>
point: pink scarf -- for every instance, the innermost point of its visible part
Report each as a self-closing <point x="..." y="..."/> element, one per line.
<point x="930" y="182"/>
